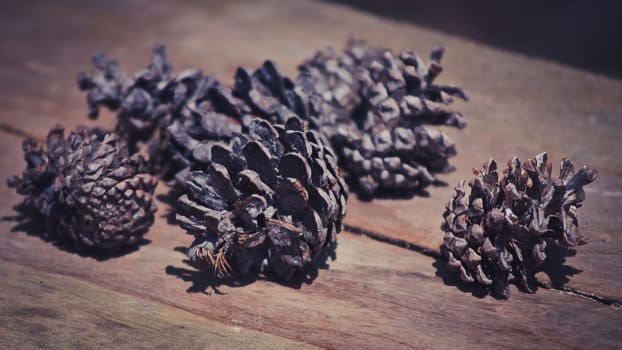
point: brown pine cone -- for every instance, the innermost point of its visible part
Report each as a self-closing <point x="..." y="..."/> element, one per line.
<point x="191" y="111"/>
<point x="374" y="107"/>
<point x="271" y="200"/>
<point x="88" y="189"/>
<point x="141" y="101"/>
<point x="499" y="233"/>
<point x="195" y="125"/>
<point x="222" y="112"/>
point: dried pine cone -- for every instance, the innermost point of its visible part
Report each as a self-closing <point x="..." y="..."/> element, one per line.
<point x="216" y="113"/>
<point x="374" y="107"/>
<point x="271" y="200"/>
<point x="194" y="126"/>
<point x="193" y="111"/>
<point x="88" y="190"/>
<point x="141" y="101"/>
<point x="500" y="232"/>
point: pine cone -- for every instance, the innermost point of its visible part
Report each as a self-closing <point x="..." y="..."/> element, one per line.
<point x="194" y="126"/>
<point x="216" y="113"/>
<point x="272" y="96"/>
<point x="500" y="232"/>
<point x="193" y="111"/>
<point x="88" y="190"/>
<point x="142" y="101"/>
<point x="272" y="199"/>
<point x="373" y="107"/>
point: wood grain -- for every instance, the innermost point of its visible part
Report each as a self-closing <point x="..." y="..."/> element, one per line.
<point x="40" y="310"/>
<point x="374" y="294"/>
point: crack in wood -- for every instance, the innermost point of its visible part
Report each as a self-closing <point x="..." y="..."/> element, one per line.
<point x="394" y="241"/>
<point x="9" y="129"/>
<point x="616" y="304"/>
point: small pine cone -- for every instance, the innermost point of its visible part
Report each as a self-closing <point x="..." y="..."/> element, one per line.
<point x="374" y="107"/>
<point x="271" y="200"/>
<point x="141" y="101"/>
<point x="88" y="190"/>
<point x="499" y="233"/>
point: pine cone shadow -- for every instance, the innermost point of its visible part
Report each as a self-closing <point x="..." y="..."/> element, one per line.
<point x="204" y="280"/>
<point x="556" y="270"/>
<point x="170" y="199"/>
<point x="450" y="278"/>
<point x="399" y="194"/>
<point x="555" y="266"/>
<point x="34" y="225"/>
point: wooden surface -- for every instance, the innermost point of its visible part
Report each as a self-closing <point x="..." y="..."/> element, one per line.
<point x="375" y="294"/>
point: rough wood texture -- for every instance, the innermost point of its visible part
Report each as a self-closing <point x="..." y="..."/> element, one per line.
<point x="374" y="294"/>
<point x="43" y="310"/>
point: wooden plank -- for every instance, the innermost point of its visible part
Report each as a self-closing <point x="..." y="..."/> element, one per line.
<point x="41" y="310"/>
<point x="373" y="294"/>
<point x="520" y="106"/>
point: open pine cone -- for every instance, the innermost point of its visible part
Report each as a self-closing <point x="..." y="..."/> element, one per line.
<point x="215" y="113"/>
<point x="88" y="189"/>
<point x="190" y="111"/>
<point x="271" y="200"/>
<point x="499" y="233"/>
<point x="373" y="107"/>
<point x="141" y="101"/>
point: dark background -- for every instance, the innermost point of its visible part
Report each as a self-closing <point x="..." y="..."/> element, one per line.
<point x="584" y="34"/>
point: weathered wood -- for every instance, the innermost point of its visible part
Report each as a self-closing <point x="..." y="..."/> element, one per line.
<point x="44" y="311"/>
<point x="373" y="294"/>
<point x="367" y="297"/>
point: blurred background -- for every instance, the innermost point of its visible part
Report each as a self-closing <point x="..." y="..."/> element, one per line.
<point x="582" y="34"/>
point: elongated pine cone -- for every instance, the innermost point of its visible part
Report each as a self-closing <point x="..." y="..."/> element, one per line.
<point x="88" y="189"/>
<point x="499" y="233"/>
<point x="271" y="200"/>
<point x="142" y="101"/>
<point x="374" y="108"/>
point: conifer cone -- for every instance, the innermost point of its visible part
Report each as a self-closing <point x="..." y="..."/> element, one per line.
<point x="194" y="125"/>
<point x="375" y="108"/>
<point x="182" y="116"/>
<point x="87" y="189"/>
<point x="141" y="101"/>
<point x="499" y="233"/>
<point x="270" y="200"/>
<point x="212" y="112"/>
